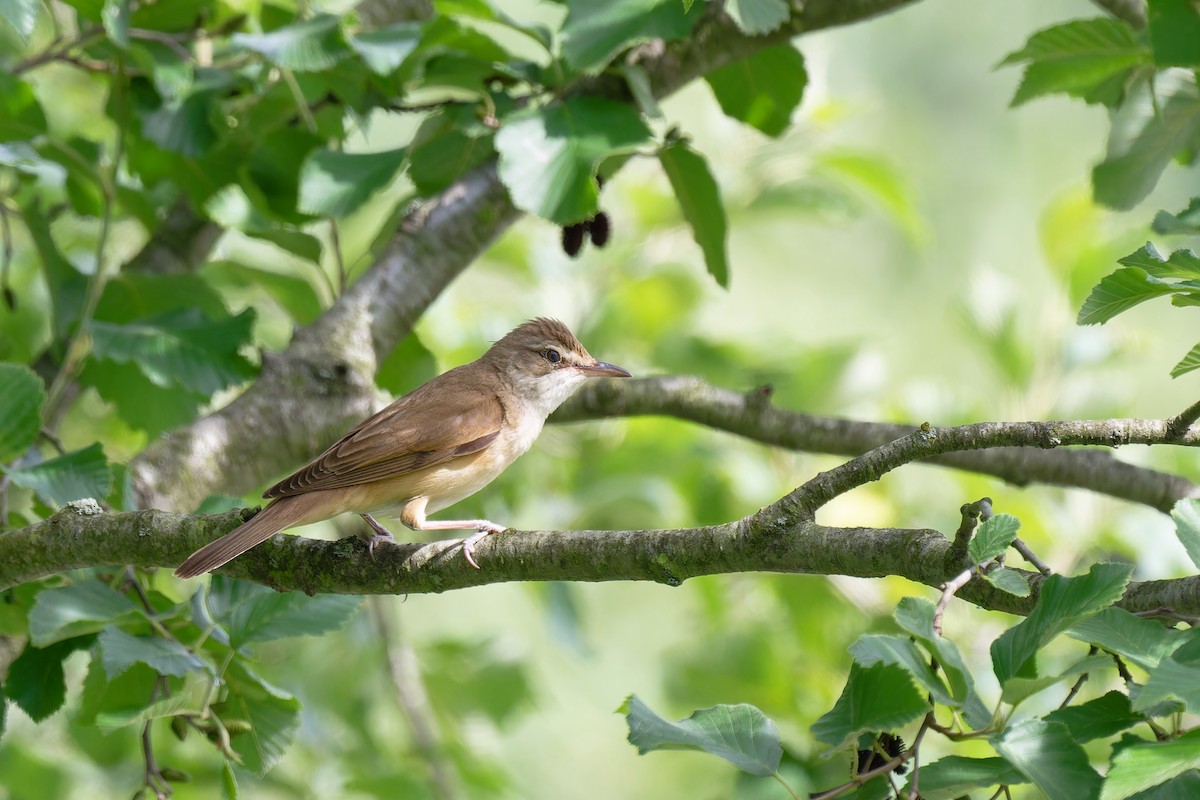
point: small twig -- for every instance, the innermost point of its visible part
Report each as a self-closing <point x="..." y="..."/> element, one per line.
<point x="335" y="241"/>
<point x="972" y="514"/>
<point x="883" y="769"/>
<point x="1031" y="557"/>
<point x="949" y="588"/>
<point x="1178" y="425"/>
<point x="1078" y="683"/>
<point x="54" y="441"/>
<point x="173" y="42"/>
<point x="1167" y="613"/>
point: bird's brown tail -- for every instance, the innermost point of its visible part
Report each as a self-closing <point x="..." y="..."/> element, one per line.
<point x="283" y="513"/>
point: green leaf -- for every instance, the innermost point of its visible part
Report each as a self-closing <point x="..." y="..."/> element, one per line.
<point x="872" y="649"/>
<point x="21" y="116"/>
<point x="120" y="650"/>
<point x="1045" y="753"/>
<point x="1018" y="690"/>
<point x="35" y="681"/>
<point x="1186" y="514"/>
<point x="22" y="157"/>
<point x="1177" y="677"/>
<point x="915" y="615"/>
<point x="741" y="734"/>
<point x="22" y="396"/>
<point x="383" y="50"/>
<point x="763" y="89"/>
<point x="1174" y="27"/>
<point x="756" y="17"/>
<point x="21" y="15"/>
<point x="74" y="476"/>
<point x="115" y="17"/>
<point x="291" y="291"/>
<point x="1180" y="264"/>
<point x="447" y="145"/>
<point x="879" y="698"/>
<point x="309" y="46"/>
<point x="1062" y="603"/>
<point x="593" y="33"/>
<point x="1188" y="363"/>
<point x="1141" y="766"/>
<point x="229" y="784"/>
<point x="953" y="777"/>
<point x="1119" y="292"/>
<point x="549" y="156"/>
<point x="232" y="208"/>
<point x="180" y="348"/>
<point x="189" y="701"/>
<point x="1146" y="136"/>
<point x="1145" y="642"/>
<point x="273" y="714"/>
<point x="1008" y="580"/>
<point x="1186" y="221"/>
<point x="84" y="607"/>
<point x="1104" y="716"/>
<point x="993" y="537"/>
<point x="129" y="691"/>
<point x="1076" y="58"/>
<point x="336" y="184"/>
<point x="700" y="200"/>
<point x="252" y="613"/>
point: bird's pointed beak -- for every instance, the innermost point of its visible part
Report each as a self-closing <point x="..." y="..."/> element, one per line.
<point x="602" y="369"/>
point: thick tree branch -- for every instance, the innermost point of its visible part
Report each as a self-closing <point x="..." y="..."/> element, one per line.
<point x="752" y="415"/>
<point x="72" y="540"/>
<point x="309" y="394"/>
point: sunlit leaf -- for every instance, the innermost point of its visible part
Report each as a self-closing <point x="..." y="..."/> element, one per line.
<point x="21" y="15"/>
<point x="1180" y="264"/>
<point x="1018" y="690"/>
<point x="756" y="17"/>
<point x="115" y="17"/>
<point x="879" y="698"/>
<point x="1008" y="580"/>
<point x="252" y="613"/>
<point x="1076" y="58"/>
<point x="763" y="89"/>
<point x="1176" y="677"/>
<point x="1045" y="753"/>
<point x="383" y="50"/>
<point x="73" y="476"/>
<point x="1138" y="767"/>
<point x="182" y="348"/>
<point x="993" y="537"/>
<point x="952" y="777"/>
<point x="741" y="734"/>
<point x="1121" y="291"/>
<point x="308" y="46"/>
<point x="593" y="33"/>
<point x="83" y="607"/>
<point x="1062" y="603"/>
<point x="872" y="649"/>
<point x="1186" y="514"/>
<point x="336" y="184"/>
<point x="21" y="397"/>
<point x="1145" y="642"/>
<point x="700" y="200"/>
<point x="120" y="650"/>
<point x="549" y="156"/>
<point x="1188" y="363"/>
<point x="188" y="702"/>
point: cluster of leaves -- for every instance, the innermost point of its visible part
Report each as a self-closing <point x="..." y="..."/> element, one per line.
<point x="1151" y="82"/>
<point x="918" y="677"/>
<point x="188" y="665"/>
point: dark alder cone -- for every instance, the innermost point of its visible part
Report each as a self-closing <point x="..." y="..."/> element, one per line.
<point x="599" y="228"/>
<point x="891" y="745"/>
<point x="572" y="238"/>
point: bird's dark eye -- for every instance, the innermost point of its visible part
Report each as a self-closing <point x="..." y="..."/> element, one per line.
<point x="552" y="355"/>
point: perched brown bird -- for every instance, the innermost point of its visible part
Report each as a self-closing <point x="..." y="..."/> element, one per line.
<point x="436" y="445"/>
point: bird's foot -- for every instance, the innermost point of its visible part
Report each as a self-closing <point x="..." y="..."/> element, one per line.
<point x="483" y="530"/>
<point x="380" y="534"/>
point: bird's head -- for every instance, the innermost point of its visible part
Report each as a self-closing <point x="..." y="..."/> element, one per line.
<point x="544" y="363"/>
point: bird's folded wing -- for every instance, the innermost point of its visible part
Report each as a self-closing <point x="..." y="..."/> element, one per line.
<point x="400" y="439"/>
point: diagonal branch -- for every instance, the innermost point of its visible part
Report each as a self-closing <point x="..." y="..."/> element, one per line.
<point x="752" y="416"/>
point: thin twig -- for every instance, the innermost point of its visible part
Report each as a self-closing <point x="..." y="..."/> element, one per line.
<point x="1178" y="425"/>
<point x="949" y="589"/>
<point x="1031" y="557"/>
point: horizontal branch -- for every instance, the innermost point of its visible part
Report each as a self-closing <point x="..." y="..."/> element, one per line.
<point x="753" y="416"/>
<point x="76" y="538"/>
